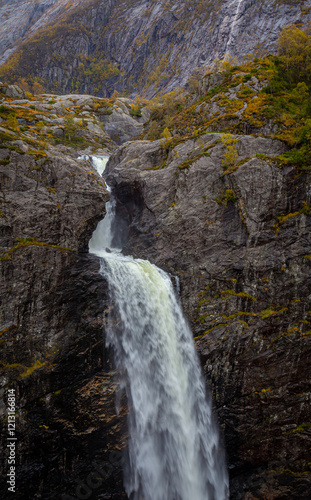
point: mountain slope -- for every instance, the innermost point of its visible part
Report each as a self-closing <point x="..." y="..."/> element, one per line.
<point x="22" y="18"/>
<point x="145" y="46"/>
<point x="230" y="215"/>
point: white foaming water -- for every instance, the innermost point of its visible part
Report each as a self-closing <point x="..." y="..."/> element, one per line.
<point x="102" y="238"/>
<point x="99" y="162"/>
<point x="173" y="448"/>
<point x="237" y="4"/>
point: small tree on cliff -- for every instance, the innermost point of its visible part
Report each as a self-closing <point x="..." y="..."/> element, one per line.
<point x="231" y="155"/>
<point x="295" y="54"/>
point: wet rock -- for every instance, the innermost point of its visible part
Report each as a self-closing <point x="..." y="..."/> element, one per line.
<point x="239" y="241"/>
<point x="56" y="306"/>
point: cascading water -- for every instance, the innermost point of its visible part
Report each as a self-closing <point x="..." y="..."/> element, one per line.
<point x="231" y="13"/>
<point x="99" y="162"/>
<point x="173" y="449"/>
<point x="237" y="5"/>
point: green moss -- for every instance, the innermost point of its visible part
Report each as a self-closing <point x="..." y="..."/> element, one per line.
<point x="210" y="330"/>
<point x="226" y="197"/>
<point x="270" y="312"/>
<point x="37" y="153"/>
<point x="4" y="111"/>
<point x="237" y="294"/>
<point x="237" y="314"/>
<point x="136" y="111"/>
<point x="281" y="219"/>
<point x="244" y="323"/>
<point x="302" y="428"/>
<point x="25" y="370"/>
<point x="4" y="137"/>
<point x="30" y="369"/>
<point x="27" y="242"/>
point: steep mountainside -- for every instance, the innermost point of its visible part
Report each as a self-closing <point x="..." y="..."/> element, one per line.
<point x="21" y="18"/>
<point x="229" y="214"/>
<point x="221" y="199"/>
<point x="240" y="244"/>
<point x="213" y="186"/>
<point x="52" y="315"/>
<point x="53" y="301"/>
<point x="143" y="46"/>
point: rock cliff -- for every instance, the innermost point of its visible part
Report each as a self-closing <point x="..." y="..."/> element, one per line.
<point x="20" y="19"/>
<point x="54" y="303"/>
<point x="240" y="244"/>
<point x="146" y="46"/>
<point x="53" y="310"/>
<point x="229" y="214"/>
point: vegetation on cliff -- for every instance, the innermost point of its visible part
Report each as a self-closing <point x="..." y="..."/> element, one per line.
<point x="210" y="217"/>
<point x="268" y="96"/>
<point x="33" y="123"/>
<point x="143" y="47"/>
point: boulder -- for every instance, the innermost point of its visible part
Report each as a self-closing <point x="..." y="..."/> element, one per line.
<point x="120" y="126"/>
<point x="12" y="91"/>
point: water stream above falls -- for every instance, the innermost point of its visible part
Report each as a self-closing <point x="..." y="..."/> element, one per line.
<point x="173" y="448"/>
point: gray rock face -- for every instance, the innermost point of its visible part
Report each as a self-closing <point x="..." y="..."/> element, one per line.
<point x="54" y="305"/>
<point x="120" y="125"/>
<point x="20" y="18"/>
<point x="154" y="45"/>
<point x="238" y="238"/>
<point x="98" y="123"/>
<point x="12" y="91"/>
<point x="240" y="244"/>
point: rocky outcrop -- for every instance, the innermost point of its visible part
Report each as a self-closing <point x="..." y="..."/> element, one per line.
<point x="12" y="91"/>
<point x="50" y="122"/>
<point x="149" y="46"/>
<point x="238" y="238"/>
<point x="54" y="305"/>
<point x="122" y="125"/>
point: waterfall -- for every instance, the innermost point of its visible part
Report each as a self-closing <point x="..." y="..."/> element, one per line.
<point x="234" y="21"/>
<point x="99" y="162"/>
<point x="230" y="12"/>
<point x="173" y="448"/>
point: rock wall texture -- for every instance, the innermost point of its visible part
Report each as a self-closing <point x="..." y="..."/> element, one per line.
<point x="146" y="46"/>
<point x="21" y="18"/>
<point x="236" y="233"/>
<point x="53" y="309"/>
<point x="240" y="244"/>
